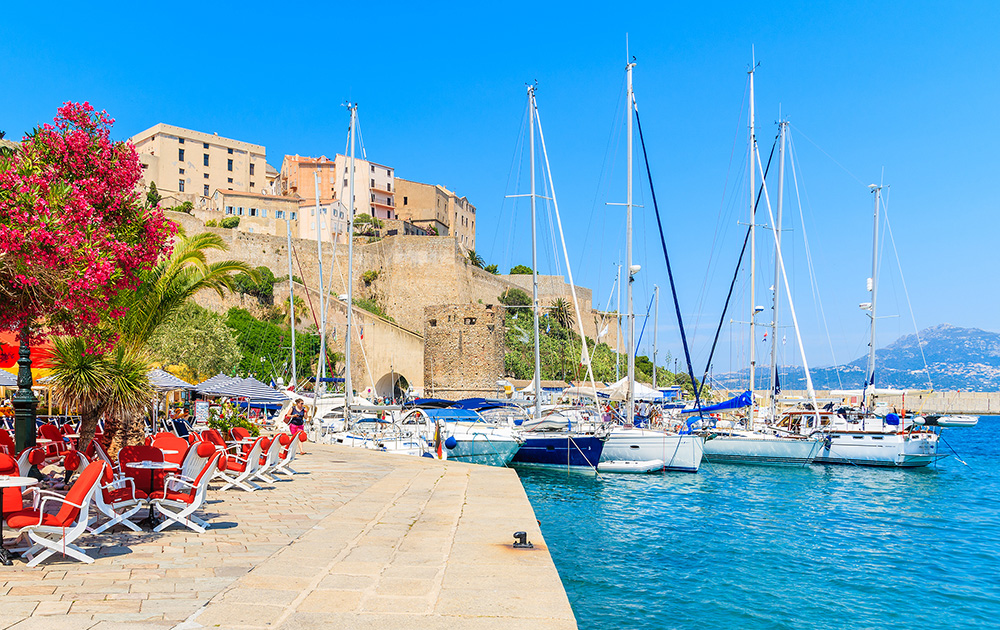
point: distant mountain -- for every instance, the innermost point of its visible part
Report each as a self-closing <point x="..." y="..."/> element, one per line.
<point x="957" y="358"/>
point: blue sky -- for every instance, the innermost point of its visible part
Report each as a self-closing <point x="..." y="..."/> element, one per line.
<point x="910" y="88"/>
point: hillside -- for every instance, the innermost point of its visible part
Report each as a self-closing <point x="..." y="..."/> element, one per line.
<point x="957" y="358"/>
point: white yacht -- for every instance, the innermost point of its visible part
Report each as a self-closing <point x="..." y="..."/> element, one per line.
<point x="463" y="435"/>
<point x="635" y="449"/>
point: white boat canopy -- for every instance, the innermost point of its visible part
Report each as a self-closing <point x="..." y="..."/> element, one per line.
<point x="617" y="391"/>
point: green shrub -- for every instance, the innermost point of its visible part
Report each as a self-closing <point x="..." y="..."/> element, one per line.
<point x="227" y="417"/>
<point x="520" y="270"/>
<point x="514" y="297"/>
<point x="369" y="276"/>
<point x="211" y="223"/>
<point x="230" y="222"/>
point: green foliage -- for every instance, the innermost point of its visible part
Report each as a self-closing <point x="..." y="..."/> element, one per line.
<point x="365" y="224"/>
<point x="265" y="348"/>
<point x="492" y="269"/>
<point x="230" y="222"/>
<point x="562" y="311"/>
<point x="197" y="338"/>
<point x="514" y="297"/>
<point x="520" y="270"/>
<point x="294" y="279"/>
<point x="226" y="417"/>
<point x="372" y="306"/>
<point x="187" y="207"/>
<point x="153" y="197"/>
<point x="261" y="288"/>
<point x="211" y="223"/>
<point x="369" y="276"/>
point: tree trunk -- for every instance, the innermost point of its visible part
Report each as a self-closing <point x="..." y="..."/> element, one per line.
<point x="135" y="430"/>
<point x="88" y="427"/>
<point x="113" y="436"/>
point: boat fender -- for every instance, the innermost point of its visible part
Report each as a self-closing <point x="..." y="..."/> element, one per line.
<point x="426" y="454"/>
<point x="450" y="442"/>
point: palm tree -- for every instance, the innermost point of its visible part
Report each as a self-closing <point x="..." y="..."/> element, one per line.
<point x="175" y="280"/>
<point x="300" y="311"/>
<point x="476" y="259"/>
<point x="562" y="313"/>
<point x="115" y="383"/>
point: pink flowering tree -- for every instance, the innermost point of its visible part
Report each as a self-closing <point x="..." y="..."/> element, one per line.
<point x="75" y="232"/>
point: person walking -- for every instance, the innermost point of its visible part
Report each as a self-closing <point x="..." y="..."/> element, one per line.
<point x="296" y="419"/>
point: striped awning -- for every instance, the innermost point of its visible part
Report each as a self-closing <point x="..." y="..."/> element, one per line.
<point x="248" y="388"/>
<point x="165" y="381"/>
<point x="7" y="379"/>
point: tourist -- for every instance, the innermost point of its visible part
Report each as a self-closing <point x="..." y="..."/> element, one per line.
<point x="296" y="419"/>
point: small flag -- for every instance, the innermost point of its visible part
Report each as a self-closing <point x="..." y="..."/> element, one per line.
<point x="784" y="338"/>
<point x="765" y="336"/>
<point x="361" y="331"/>
<point x="603" y="332"/>
<point x="334" y="333"/>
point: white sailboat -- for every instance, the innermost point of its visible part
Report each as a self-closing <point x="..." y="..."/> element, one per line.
<point x="630" y="448"/>
<point x="761" y="442"/>
<point x="863" y="438"/>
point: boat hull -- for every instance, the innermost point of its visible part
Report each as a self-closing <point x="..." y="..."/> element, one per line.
<point x="682" y="453"/>
<point x="480" y="449"/>
<point x="560" y="451"/>
<point x="761" y="450"/>
<point x="893" y="450"/>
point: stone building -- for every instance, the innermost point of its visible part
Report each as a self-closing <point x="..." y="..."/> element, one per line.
<point x="433" y="206"/>
<point x="463" y="350"/>
<point x="258" y="214"/>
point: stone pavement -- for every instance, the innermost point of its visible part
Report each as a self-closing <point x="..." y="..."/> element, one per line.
<point x="362" y="540"/>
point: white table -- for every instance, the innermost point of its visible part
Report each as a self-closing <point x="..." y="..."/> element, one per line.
<point x="10" y="482"/>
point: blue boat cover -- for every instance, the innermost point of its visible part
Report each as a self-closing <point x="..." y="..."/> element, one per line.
<point x="478" y="404"/>
<point x="743" y="400"/>
<point x="451" y="415"/>
<point x="429" y="403"/>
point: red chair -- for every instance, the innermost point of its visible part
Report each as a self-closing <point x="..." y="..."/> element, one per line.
<point x="181" y="496"/>
<point x="55" y="533"/>
<point x="7" y="443"/>
<point x="30" y="457"/>
<point x="244" y="468"/>
<point x="57" y="446"/>
<point x="118" y="499"/>
<point x="11" y="497"/>
<point x="146" y="480"/>
<point x="174" y="448"/>
<point x="291" y="444"/>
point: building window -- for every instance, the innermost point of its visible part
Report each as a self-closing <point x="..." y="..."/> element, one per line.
<point x="388" y="172"/>
<point x="373" y="168"/>
<point x="206" y="190"/>
<point x="388" y="187"/>
<point x="404" y="201"/>
<point x="230" y="151"/>
<point x="204" y="144"/>
<point x="251" y="168"/>
<point x="250" y="229"/>
<point x="251" y="184"/>
<point x="180" y="155"/>
<point x="279" y="214"/>
<point x="180" y="140"/>
<point x="230" y="180"/>
<point x="345" y="183"/>
<point x="253" y="212"/>
<point x="263" y="212"/>
<point x="239" y="211"/>
<point x="230" y="164"/>
<point x="205" y="175"/>
<point x="470" y="320"/>
<point x="180" y="185"/>
<point x="229" y="209"/>
<point x="373" y="183"/>
<point x="181" y="171"/>
<point x="295" y="215"/>
<point x="373" y="196"/>
<point x="206" y="159"/>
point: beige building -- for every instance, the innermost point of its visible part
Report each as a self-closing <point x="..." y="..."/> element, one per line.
<point x="190" y="165"/>
<point x="374" y="191"/>
<point x="258" y="214"/>
<point x="434" y="206"/>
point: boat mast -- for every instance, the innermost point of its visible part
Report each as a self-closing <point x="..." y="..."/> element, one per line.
<point x="534" y="261"/>
<point x="753" y="246"/>
<point x="348" y="384"/>
<point x="873" y="287"/>
<point x="656" y="321"/>
<point x="291" y="296"/>
<point x="777" y="272"/>
<point x="321" y="372"/>
<point x="618" y="322"/>
<point x="628" y="255"/>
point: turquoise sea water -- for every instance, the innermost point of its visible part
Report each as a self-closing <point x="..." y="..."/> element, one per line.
<point x="764" y="547"/>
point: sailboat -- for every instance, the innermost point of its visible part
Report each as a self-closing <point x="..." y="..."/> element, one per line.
<point x="863" y="438"/>
<point x="631" y="448"/>
<point x="558" y="444"/>
<point x="759" y="441"/>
